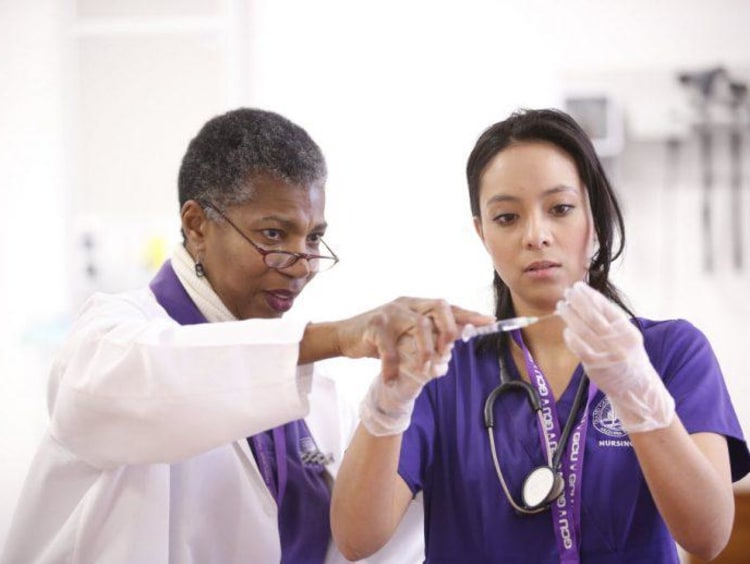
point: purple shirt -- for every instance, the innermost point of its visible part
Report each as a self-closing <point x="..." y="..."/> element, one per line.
<point x="446" y="453"/>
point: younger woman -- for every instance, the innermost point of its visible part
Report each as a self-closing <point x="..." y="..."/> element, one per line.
<point x="591" y="435"/>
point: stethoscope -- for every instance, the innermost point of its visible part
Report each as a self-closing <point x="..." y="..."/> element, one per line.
<point x="544" y="484"/>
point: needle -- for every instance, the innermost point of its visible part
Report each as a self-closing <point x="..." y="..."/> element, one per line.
<point x="501" y="325"/>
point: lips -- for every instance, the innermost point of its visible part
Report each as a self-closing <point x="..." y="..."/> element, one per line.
<point x="541" y="265"/>
<point x="280" y="300"/>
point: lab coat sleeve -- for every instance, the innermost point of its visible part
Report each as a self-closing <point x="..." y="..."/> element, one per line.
<point x="133" y="387"/>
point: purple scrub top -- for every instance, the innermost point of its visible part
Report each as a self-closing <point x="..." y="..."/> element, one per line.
<point x="446" y="454"/>
<point x="287" y="456"/>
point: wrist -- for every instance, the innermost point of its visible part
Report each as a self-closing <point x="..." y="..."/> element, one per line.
<point x="383" y="411"/>
<point x="319" y="341"/>
<point x="646" y="410"/>
<point x="638" y="396"/>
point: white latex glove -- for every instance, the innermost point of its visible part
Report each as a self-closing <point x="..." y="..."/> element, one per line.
<point x="387" y="407"/>
<point x="612" y="352"/>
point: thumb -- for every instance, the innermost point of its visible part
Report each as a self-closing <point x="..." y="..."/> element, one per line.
<point x="465" y="317"/>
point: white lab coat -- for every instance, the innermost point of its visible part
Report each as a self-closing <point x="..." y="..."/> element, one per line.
<point x="146" y="458"/>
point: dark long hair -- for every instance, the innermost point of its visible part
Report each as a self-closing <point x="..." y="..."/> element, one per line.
<point x="556" y="127"/>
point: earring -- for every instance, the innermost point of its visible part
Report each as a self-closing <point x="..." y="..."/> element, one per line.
<point x="199" y="271"/>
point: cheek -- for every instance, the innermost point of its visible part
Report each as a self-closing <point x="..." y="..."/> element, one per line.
<point x="245" y="271"/>
<point x="222" y="256"/>
<point x="582" y="249"/>
<point x="234" y="270"/>
<point x="500" y="251"/>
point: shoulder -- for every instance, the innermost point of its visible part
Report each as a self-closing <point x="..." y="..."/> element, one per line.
<point x="101" y="313"/>
<point x="662" y="327"/>
<point x="676" y="347"/>
<point x="672" y="335"/>
<point x="135" y="303"/>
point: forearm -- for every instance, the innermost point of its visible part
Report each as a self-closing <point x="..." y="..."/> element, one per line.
<point x="319" y="342"/>
<point x="369" y="497"/>
<point x="689" y="479"/>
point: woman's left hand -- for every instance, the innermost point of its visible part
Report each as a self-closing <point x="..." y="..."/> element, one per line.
<point x="612" y="352"/>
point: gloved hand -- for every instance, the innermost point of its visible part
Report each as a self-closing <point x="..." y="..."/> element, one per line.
<point x="387" y="407"/>
<point x="612" y="352"/>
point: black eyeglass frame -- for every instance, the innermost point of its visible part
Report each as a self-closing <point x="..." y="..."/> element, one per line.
<point x="293" y="257"/>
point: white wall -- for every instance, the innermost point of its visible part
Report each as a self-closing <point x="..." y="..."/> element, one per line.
<point x="32" y="262"/>
<point x="97" y="112"/>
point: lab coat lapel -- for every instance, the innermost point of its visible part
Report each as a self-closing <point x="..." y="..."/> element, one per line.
<point x="324" y="421"/>
<point x="172" y="296"/>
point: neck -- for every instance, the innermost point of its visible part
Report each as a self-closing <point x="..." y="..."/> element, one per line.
<point x="199" y="289"/>
<point x="545" y="342"/>
<point x="545" y="334"/>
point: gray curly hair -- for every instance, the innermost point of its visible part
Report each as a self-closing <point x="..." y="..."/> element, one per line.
<point x="233" y="148"/>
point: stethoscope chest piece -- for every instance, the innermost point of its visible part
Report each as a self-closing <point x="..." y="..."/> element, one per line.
<point x="541" y="487"/>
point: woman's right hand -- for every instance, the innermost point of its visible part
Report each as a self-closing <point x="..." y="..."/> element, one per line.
<point x="433" y="325"/>
<point x="386" y="408"/>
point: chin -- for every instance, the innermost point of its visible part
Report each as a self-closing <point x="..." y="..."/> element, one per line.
<point x="263" y="315"/>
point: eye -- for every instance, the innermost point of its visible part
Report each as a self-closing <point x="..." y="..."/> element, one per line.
<point x="561" y="210"/>
<point x="272" y="235"/>
<point x="313" y="240"/>
<point x="505" y="218"/>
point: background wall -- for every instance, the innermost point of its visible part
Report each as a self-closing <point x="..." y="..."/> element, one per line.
<point x="98" y="100"/>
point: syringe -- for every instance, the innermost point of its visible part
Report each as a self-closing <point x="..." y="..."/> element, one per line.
<point x="501" y="325"/>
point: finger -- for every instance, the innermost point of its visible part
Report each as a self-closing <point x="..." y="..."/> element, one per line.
<point x="588" y="309"/>
<point x="575" y="344"/>
<point x="589" y="356"/>
<point x="440" y="366"/>
<point x="424" y="339"/>
<point x="625" y="334"/>
<point x="611" y="311"/>
<point x="410" y="365"/>
<point x="464" y="317"/>
<point x="608" y="309"/>
<point x="461" y="316"/>
<point x="445" y="325"/>
<point x="385" y="340"/>
<point x="599" y="349"/>
<point x="448" y="320"/>
<point x="611" y="321"/>
<point x="578" y="324"/>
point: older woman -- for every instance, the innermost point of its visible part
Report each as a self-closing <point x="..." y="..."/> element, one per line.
<point x="177" y="431"/>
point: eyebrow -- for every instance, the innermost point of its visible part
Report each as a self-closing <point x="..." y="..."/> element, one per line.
<point x="554" y="190"/>
<point x="290" y="225"/>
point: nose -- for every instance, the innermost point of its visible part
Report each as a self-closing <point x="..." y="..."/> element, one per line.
<point x="300" y="269"/>
<point x="536" y="232"/>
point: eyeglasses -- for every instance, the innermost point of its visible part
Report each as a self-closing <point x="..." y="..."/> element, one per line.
<point x="283" y="259"/>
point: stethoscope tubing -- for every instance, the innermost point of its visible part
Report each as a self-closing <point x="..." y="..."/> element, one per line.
<point x="535" y="402"/>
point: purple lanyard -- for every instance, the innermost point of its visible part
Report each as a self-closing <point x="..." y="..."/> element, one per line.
<point x="566" y="511"/>
<point x="272" y="462"/>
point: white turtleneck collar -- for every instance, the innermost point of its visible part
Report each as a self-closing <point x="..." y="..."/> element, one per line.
<point x="199" y="289"/>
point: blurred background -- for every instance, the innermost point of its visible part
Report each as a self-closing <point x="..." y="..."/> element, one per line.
<point x="99" y="98"/>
